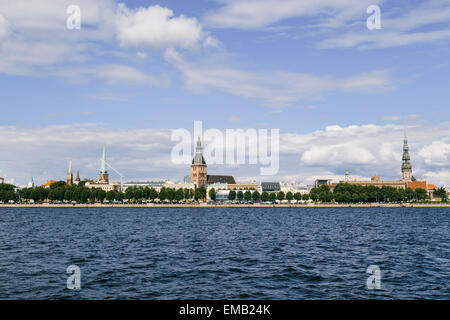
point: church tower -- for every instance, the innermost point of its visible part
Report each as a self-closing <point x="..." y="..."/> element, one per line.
<point x="77" y="179"/>
<point x="406" y="165"/>
<point x="70" y="175"/>
<point x="198" y="167"/>
<point x="103" y="177"/>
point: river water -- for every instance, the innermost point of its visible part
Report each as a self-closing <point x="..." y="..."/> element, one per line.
<point x="225" y="253"/>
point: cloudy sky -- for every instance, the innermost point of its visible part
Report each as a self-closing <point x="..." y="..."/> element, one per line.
<point x="340" y="94"/>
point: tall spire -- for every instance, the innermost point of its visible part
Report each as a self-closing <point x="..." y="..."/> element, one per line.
<point x="31" y="183"/>
<point x="69" y="174"/>
<point x="103" y="167"/>
<point x="406" y="165"/>
<point x="198" y="159"/>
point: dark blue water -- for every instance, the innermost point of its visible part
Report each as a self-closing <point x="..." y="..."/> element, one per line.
<point x="223" y="253"/>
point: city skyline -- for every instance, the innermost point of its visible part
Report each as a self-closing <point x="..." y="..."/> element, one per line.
<point x="407" y="173"/>
<point x="340" y="94"/>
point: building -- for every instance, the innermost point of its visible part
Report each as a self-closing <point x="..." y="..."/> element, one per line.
<point x="222" y="195"/>
<point x="294" y="187"/>
<point x="430" y="190"/>
<point x="77" y="179"/>
<point x="48" y="184"/>
<point x="31" y="183"/>
<point x="406" y="165"/>
<point x="417" y="184"/>
<point x="322" y="182"/>
<point x="2" y="180"/>
<point x="211" y="179"/>
<point x="243" y="186"/>
<point x="199" y="173"/>
<point x="150" y="184"/>
<point x="103" y="178"/>
<point x="199" y="167"/>
<point x="270" y="187"/>
<point x="70" y="175"/>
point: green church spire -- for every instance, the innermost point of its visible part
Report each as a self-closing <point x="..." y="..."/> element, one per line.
<point x="103" y="167"/>
<point x="406" y="165"/>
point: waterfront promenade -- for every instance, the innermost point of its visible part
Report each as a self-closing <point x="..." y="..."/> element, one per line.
<point x="233" y="205"/>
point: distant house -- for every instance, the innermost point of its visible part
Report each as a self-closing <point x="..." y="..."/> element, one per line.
<point x="222" y="195"/>
<point x="211" y="179"/>
<point x="270" y="186"/>
<point x="48" y="184"/>
<point x="2" y="180"/>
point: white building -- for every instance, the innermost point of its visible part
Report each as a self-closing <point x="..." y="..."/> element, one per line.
<point x="295" y="187"/>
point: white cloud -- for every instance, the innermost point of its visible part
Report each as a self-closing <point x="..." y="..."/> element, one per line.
<point x="397" y="29"/>
<point x="114" y="73"/>
<point x="365" y="150"/>
<point x="383" y="39"/>
<point x="403" y="117"/>
<point x="156" y="27"/>
<point x="38" y="36"/>
<point x="4" y="29"/>
<point x="337" y="154"/>
<point x="437" y="153"/>
<point x="256" y="14"/>
<point x="275" y="88"/>
<point x="439" y="178"/>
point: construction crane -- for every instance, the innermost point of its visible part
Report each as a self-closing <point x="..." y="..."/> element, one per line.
<point x="121" y="175"/>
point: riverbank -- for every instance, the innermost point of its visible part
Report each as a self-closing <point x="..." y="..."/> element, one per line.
<point x="232" y="205"/>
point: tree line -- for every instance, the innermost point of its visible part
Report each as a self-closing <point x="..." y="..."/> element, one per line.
<point x="342" y="193"/>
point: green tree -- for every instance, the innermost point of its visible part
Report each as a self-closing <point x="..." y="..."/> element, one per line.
<point x="248" y="195"/>
<point x="202" y="192"/>
<point x="68" y="195"/>
<point x="409" y="194"/>
<point x="57" y="184"/>
<point x="256" y="196"/>
<point x="272" y="196"/>
<point x="153" y="194"/>
<point x="440" y="193"/>
<point x="138" y="194"/>
<point x="212" y="194"/>
<point x="240" y="195"/>
<point x="179" y="195"/>
<point x="110" y="195"/>
<point x="162" y="194"/>
<point x="420" y="194"/>
<point x="298" y="196"/>
<point x="35" y="195"/>
<point x="280" y="195"/>
<point x="305" y="197"/>
<point x="85" y="194"/>
<point x="170" y="194"/>
<point x="265" y="196"/>
<point x="101" y="195"/>
<point x="289" y="196"/>
<point x="129" y="193"/>
<point x="232" y="195"/>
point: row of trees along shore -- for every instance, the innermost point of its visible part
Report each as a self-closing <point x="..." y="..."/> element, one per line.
<point x="342" y="193"/>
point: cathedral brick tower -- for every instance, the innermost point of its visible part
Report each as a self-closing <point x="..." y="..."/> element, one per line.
<point x="198" y="167"/>
<point x="406" y="165"/>
<point x="70" y="175"/>
<point x="103" y="177"/>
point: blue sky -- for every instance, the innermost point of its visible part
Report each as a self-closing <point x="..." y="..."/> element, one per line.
<point x="137" y="69"/>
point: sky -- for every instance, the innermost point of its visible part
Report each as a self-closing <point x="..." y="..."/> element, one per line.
<point x="340" y="94"/>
